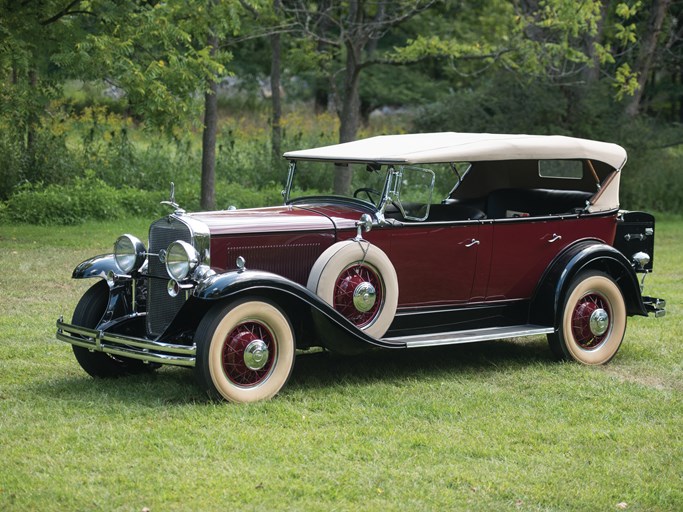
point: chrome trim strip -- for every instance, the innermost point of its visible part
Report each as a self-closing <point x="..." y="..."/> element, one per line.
<point x="135" y="348"/>
<point x="471" y="336"/>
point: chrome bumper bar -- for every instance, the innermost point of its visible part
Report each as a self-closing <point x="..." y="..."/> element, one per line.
<point x="656" y="306"/>
<point x="126" y="346"/>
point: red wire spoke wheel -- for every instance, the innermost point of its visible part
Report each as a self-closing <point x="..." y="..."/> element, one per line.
<point x="357" y="279"/>
<point x="245" y="350"/>
<point x="248" y="354"/>
<point x="358" y="294"/>
<point x="592" y="320"/>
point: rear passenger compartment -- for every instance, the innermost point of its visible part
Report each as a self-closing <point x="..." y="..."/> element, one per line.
<point x="535" y="202"/>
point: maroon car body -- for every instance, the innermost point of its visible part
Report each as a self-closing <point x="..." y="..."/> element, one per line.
<point x="526" y="239"/>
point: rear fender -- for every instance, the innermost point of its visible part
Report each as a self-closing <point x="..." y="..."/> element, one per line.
<point x="584" y="255"/>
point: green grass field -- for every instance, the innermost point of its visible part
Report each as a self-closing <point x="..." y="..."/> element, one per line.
<point x="496" y="426"/>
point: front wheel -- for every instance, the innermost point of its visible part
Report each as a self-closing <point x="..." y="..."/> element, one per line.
<point x="592" y="322"/>
<point x="245" y="351"/>
<point x="88" y="313"/>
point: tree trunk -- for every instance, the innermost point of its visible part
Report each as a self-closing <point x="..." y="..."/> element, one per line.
<point x="276" y="129"/>
<point x="350" y="112"/>
<point x="647" y="53"/>
<point x="32" y="116"/>
<point x="208" y="193"/>
<point x="591" y="74"/>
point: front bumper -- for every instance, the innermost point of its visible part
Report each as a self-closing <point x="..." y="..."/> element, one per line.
<point x="127" y="346"/>
<point x="654" y="305"/>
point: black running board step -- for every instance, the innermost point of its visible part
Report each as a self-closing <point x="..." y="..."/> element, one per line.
<point x="470" y="336"/>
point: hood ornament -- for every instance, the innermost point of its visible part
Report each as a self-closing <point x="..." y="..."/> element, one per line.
<point x="171" y="202"/>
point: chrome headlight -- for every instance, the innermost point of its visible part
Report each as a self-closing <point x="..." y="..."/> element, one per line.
<point x="129" y="252"/>
<point x="181" y="260"/>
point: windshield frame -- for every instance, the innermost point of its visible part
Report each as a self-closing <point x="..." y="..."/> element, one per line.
<point x="390" y="193"/>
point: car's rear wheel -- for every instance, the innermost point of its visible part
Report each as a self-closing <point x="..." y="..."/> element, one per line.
<point x="357" y="279"/>
<point x="245" y="351"/>
<point x="88" y="313"/>
<point x="592" y="322"/>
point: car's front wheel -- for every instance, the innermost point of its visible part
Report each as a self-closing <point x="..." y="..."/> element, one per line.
<point x="245" y="351"/>
<point x="592" y="322"/>
<point x="88" y="313"/>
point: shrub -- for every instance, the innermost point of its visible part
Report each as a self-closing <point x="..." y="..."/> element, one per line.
<point x="92" y="199"/>
<point x="88" y="198"/>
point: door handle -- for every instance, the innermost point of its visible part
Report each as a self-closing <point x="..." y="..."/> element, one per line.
<point x="472" y="243"/>
<point x="554" y="238"/>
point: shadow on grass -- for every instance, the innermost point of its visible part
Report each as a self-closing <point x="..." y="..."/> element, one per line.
<point x="322" y="369"/>
<point x="176" y="386"/>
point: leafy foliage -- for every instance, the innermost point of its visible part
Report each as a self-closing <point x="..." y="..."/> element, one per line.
<point x="109" y="90"/>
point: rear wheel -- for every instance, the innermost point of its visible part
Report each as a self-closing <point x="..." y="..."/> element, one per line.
<point x="245" y="351"/>
<point x="592" y="322"/>
<point x="88" y="313"/>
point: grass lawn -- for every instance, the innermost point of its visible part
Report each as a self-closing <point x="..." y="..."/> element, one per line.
<point x="495" y="426"/>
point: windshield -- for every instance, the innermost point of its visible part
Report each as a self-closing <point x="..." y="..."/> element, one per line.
<point x="400" y="192"/>
<point x="346" y="181"/>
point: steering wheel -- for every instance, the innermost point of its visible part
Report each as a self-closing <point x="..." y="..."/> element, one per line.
<point x="370" y="192"/>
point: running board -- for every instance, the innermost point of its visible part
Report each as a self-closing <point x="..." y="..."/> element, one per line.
<point x="470" y="336"/>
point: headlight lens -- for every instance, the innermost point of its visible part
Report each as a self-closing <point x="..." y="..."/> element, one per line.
<point x="129" y="252"/>
<point x="181" y="260"/>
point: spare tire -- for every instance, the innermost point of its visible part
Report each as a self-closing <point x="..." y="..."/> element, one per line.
<point x="357" y="279"/>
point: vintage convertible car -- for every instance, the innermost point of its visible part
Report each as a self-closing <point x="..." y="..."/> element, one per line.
<point x="391" y="242"/>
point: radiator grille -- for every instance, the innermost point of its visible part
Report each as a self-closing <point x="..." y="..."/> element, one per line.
<point x="161" y="307"/>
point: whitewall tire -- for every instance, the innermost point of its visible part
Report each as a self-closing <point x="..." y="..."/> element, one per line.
<point x="245" y="351"/>
<point x="357" y="279"/>
<point x="592" y="320"/>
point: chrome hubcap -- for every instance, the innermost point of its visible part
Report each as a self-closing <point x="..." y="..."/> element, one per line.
<point x="599" y="322"/>
<point x="364" y="297"/>
<point x="256" y="355"/>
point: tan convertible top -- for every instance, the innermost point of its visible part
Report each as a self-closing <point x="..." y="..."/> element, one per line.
<point x="464" y="147"/>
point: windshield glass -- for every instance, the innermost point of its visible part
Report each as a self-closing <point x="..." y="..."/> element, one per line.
<point x="363" y="182"/>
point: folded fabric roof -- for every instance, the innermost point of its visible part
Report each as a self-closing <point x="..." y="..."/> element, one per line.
<point x="464" y="147"/>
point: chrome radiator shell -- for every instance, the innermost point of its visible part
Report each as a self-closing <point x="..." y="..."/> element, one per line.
<point x="161" y="307"/>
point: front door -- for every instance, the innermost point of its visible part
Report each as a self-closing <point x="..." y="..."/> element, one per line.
<point x="435" y="263"/>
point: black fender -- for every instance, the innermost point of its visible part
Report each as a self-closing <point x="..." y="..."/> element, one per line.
<point x="583" y="255"/>
<point x="103" y="267"/>
<point x="296" y="300"/>
<point x="98" y="266"/>
<point x="120" y="304"/>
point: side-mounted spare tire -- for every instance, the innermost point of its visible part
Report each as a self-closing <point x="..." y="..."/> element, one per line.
<point x="357" y="279"/>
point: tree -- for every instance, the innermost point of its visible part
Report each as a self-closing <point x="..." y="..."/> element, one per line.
<point x="349" y="31"/>
<point x="647" y="53"/>
<point x="31" y="34"/>
<point x="210" y="130"/>
<point x="162" y="54"/>
<point x="275" y="86"/>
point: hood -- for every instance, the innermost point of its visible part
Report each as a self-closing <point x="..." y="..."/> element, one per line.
<point x="277" y="219"/>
